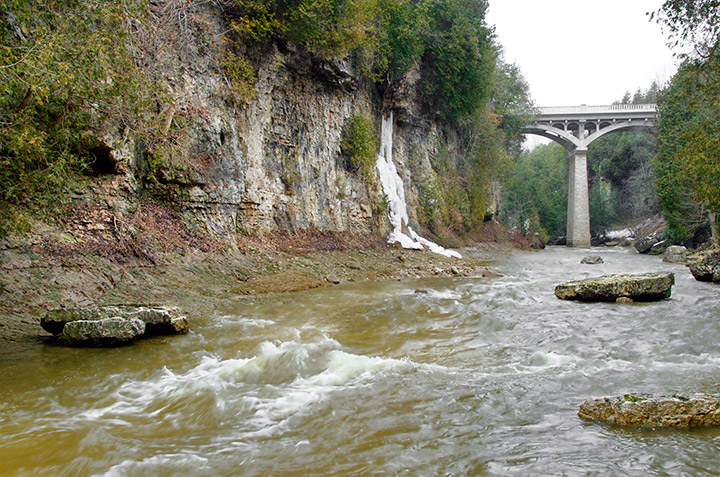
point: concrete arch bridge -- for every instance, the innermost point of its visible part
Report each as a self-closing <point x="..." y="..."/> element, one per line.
<point x="575" y="128"/>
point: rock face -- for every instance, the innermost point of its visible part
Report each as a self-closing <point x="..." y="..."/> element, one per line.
<point x="654" y="411"/>
<point x="707" y="269"/>
<point x="592" y="260"/>
<point x="640" y="287"/>
<point x="112" y="325"/>
<point x="274" y="160"/>
<point x="106" y="332"/>
<point x="675" y="254"/>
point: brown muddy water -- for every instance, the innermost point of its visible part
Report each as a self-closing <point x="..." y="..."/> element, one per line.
<point x="467" y="376"/>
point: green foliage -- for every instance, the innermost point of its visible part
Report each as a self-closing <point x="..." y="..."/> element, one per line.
<point x="459" y="56"/>
<point x="511" y="104"/>
<point x="386" y="37"/>
<point x="692" y="23"/>
<point x="402" y="45"/>
<point x="688" y="163"/>
<point x="327" y="27"/>
<point x="600" y="207"/>
<point x="624" y="161"/>
<point x="445" y="200"/>
<point x="240" y="72"/>
<point x="77" y="69"/>
<point x="68" y="72"/>
<point x="538" y="187"/>
<point x="360" y="144"/>
<point x="621" y="174"/>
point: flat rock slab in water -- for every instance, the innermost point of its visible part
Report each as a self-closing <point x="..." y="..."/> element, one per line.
<point x="642" y="287"/>
<point x="654" y="411"/>
<point x="112" y="325"/>
<point x="106" y="332"/>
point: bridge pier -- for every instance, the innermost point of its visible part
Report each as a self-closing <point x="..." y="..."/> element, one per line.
<point x="578" y="215"/>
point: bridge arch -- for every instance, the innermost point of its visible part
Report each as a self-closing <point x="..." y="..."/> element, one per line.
<point x="575" y="128"/>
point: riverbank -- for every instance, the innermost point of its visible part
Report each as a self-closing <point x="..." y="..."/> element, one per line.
<point x="154" y="259"/>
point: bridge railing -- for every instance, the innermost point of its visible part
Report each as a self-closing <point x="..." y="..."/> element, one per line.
<point x="597" y="109"/>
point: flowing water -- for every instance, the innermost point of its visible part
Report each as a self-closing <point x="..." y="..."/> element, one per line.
<point x="471" y="376"/>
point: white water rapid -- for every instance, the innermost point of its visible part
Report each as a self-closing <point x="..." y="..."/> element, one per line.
<point x="466" y="376"/>
<point x="392" y="185"/>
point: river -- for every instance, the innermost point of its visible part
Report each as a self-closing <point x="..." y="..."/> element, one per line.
<point x="466" y="376"/>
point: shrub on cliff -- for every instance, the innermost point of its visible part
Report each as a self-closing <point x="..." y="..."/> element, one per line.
<point x="360" y="144"/>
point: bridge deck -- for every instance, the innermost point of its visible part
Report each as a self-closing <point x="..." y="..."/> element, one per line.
<point x="589" y="113"/>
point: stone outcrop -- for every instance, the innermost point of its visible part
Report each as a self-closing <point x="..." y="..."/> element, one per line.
<point x="592" y="260"/>
<point x="675" y="254"/>
<point x="654" y="411"/>
<point x="640" y="287"/>
<point x="112" y="325"/>
<point x="706" y="269"/>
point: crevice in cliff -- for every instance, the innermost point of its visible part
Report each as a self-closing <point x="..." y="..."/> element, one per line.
<point x="102" y="161"/>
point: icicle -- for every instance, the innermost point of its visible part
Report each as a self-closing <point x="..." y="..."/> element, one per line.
<point x="392" y="186"/>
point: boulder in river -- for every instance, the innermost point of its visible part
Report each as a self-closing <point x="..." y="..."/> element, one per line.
<point x="644" y="244"/>
<point x="707" y="269"/>
<point x="592" y="260"/>
<point x="654" y="411"/>
<point x="675" y="254"/>
<point x="639" y="287"/>
<point x="155" y="320"/>
<point x="659" y="248"/>
<point x="113" y="331"/>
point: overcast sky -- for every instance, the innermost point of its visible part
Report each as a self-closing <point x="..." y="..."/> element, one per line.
<point x="574" y="52"/>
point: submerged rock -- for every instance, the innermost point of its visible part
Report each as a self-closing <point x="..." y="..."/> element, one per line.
<point x="707" y="269"/>
<point x="654" y="411"/>
<point x="641" y="287"/>
<point x="592" y="260"/>
<point x="99" y="323"/>
<point x="113" y="331"/>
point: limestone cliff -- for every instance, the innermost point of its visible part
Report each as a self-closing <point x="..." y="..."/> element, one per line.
<point x="272" y="161"/>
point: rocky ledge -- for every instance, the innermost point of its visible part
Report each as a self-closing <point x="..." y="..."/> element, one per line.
<point x="707" y="269"/>
<point x="654" y="411"/>
<point x="112" y="325"/>
<point x="639" y="287"/>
